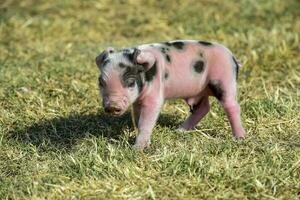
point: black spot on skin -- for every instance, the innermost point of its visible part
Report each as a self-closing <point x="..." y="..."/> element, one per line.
<point x="166" y="75"/>
<point x="139" y="83"/>
<point x="163" y="50"/>
<point x="237" y="67"/>
<point x="127" y="53"/>
<point x="129" y="71"/>
<point x="216" y="89"/>
<point x="177" y="44"/>
<point x="205" y="43"/>
<point x="126" y="50"/>
<point x="168" y="58"/>
<point x="129" y="74"/>
<point x="199" y="66"/>
<point x="129" y="56"/>
<point x="149" y="75"/>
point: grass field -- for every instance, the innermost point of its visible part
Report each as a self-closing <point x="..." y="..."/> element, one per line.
<point x="56" y="142"/>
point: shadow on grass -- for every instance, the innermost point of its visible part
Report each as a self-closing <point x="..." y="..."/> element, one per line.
<point x="62" y="133"/>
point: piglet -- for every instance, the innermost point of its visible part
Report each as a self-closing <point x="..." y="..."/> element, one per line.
<point x="146" y="75"/>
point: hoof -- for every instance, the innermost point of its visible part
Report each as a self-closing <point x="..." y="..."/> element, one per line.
<point x="240" y="136"/>
<point x="140" y="146"/>
<point x="181" y="130"/>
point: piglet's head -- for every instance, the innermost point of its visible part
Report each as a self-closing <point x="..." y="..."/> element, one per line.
<point x="122" y="77"/>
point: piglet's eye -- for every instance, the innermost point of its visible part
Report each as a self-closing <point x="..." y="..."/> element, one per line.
<point x="131" y="83"/>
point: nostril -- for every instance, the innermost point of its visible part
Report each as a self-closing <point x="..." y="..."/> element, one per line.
<point x="112" y="110"/>
<point x="117" y="110"/>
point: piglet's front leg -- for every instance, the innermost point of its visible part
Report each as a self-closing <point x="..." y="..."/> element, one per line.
<point x="149" y="112"/>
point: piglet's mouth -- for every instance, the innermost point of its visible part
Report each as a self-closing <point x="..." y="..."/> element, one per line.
<point x="117" y="113"/>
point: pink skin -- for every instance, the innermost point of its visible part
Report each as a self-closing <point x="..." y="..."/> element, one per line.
<point x="114" y="95"/>
<point x="183" y="82"/>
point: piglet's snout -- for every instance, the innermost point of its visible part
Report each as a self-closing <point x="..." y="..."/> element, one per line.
<point x="115" y="107"/>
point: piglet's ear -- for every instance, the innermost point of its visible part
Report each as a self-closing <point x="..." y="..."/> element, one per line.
<point x="102" y="56"/>
<point x="144" y="58"/>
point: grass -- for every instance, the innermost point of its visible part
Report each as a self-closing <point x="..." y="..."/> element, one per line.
<point x="56" y="143"/>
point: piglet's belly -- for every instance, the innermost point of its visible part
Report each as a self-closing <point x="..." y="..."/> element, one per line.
<point x="182" y="90"/>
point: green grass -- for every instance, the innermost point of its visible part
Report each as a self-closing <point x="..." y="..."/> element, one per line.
<point x="56" y="143"/>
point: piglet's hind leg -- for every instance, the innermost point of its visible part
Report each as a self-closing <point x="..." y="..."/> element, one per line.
<point x="232" y="110"/>
<point x="198" y="113"/>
